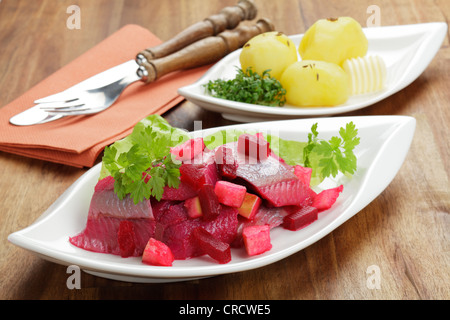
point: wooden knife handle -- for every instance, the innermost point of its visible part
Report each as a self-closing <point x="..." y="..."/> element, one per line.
<point x="228" y="18"/>
<point x="205" y="51"/>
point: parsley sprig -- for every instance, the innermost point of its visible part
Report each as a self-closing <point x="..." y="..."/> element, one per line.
<point x="330" y="157"/>
<point x="249" y="87"/>
<point x="146" y="166"/>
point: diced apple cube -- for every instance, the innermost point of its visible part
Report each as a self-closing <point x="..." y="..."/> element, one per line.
<point x="197" y="175"/>
<point x="230" y="194"/>
<point x="300" y="218"/>
<point x="215" y="248"/>
<point x="157" y="253"/>
<point x="249" y="206"/>
<point x="193" y="207"/>
<point x="256" y="239"/>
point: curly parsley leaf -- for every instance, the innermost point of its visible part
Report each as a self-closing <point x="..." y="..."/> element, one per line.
<point x="328" y="158"/>
<point x="249" y="87"/>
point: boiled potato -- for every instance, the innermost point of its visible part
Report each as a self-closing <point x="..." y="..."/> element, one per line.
<point x="271" y="50"/>
<point x="333" y="40"/>
<point x="315" y="83"/>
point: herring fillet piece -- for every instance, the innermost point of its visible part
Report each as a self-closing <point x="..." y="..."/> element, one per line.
<point x="106" y="212"/>
<point x="272" y="179"/>
<point x="101" y="235"/>
<point x="105" y="202"/>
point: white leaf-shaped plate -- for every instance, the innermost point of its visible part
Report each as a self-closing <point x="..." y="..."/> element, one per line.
<point x="406" y="50"/>
<point x="385" y="141"/>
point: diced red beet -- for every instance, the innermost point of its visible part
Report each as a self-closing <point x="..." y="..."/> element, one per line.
<point x="161" y="207"/>
<point x="230" y="194"/>
<point x="257" y="239"/>
<point x="198" y="174"/>
<point x="174" y="214"/>
<point x="160" y="228"/>
<point x="193" y="207"/>
<point x="250" y="205"/>
<point x="304" y="174"/>
<point x="300" y="218"/>
<point x="253" y="146"/>
<point x="189" y="149"/>
<point x="191" y="174"/>
<point x="226" y="163"/>
<point x="156" y="253"/>
<point x="173" y="228"/>
<point x="106" y="183"/>
<point x="183" y="192"/>
<point x="224" y="227"/>
<point x="125" y="238"/>
<point x="326" y="198"/>
<point x="178" y="236"/>
<point x="179" y="239"/>
<point x="169" y="213"/>
<point x="215" y="248"/>
<point x="209" y="202"/>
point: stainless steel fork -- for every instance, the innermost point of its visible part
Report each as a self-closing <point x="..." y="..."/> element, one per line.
<point x="92" y="96"/>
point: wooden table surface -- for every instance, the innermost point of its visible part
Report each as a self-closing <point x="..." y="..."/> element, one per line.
<point x="403" y="233"/>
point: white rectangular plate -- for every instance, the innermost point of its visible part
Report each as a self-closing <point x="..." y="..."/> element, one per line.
<point x="385" y="141"/>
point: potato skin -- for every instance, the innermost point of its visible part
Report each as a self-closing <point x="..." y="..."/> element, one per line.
<point x="270" y="50"/>
<point x="333" y="40"/>
<point x="311" y="83"/>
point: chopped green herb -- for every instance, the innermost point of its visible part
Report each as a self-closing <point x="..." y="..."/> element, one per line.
<point x="249" y="87"/>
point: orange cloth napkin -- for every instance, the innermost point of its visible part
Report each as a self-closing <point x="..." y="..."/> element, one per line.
<point x="78" y="140"/>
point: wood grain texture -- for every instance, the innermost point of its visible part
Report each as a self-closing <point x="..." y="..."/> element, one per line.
<point x="404" y="231"/>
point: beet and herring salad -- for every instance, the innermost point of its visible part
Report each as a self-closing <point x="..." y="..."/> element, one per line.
<point x="163" y="195"/>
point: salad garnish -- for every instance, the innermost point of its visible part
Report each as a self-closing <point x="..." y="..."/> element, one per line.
<point x="141" y="164"/>
<point x="332" y="156"/>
